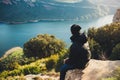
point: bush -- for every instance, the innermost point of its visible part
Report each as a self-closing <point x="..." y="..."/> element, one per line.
<point x="43" y="46"/>
<point x="4" y="74"/>
<point x="95" y="49"/>
<point x="116" y="53"/>
<point x="31" y="70"/>
<point x="62" y="55"/>
<point x="27" y="69"/>
<point x="52" y="61"/>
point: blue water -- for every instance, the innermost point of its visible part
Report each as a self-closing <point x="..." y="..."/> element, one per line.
<point x="16" y="35"/>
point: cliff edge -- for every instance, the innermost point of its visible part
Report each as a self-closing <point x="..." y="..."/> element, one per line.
<point x="116" y="17"/>
<point x="96" y="70"/>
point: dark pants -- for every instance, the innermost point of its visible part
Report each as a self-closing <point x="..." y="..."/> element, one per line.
<point x="64" y="69"/>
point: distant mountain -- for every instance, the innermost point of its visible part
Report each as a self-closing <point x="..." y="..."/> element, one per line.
<point x="17" y="11"/>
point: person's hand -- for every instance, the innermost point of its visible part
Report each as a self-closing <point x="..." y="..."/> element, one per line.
<point x="65" y="60"/>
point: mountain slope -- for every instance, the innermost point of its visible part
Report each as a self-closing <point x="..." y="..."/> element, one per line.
<point x="35" y="10"/>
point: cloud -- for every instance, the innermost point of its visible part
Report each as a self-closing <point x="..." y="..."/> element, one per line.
<point x="69" y="1"/>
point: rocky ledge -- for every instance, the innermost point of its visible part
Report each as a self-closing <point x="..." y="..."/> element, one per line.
<point x="96" y="70"/>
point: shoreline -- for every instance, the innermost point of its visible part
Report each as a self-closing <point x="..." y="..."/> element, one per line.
<point x="49" y="20"/>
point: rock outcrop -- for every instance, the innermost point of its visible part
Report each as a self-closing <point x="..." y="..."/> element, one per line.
<point x="10" y="51"/>
<point x="116" y="17"/>
<point x="96" y="70"/>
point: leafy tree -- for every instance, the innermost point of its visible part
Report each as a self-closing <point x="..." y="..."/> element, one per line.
<point x="107" y="37"/>
<point x="43" y="46"/>
<point x="92" y="32"/>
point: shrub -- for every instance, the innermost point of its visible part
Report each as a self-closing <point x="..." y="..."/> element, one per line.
<point x="31" y="70"/>
<point x="52" y="61"/>
<point x="116" y="53"/>
<point x="43" y="46"/>
<point x="4" y="74"/>
<point x="95" y="49"/>
<point x="62" y="55"/>
<point x="15" y="72"/>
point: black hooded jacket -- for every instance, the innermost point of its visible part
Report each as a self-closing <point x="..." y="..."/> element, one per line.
<point x="79" y="54"/>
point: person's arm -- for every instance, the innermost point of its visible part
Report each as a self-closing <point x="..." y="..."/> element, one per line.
<point x="84" y="37"/>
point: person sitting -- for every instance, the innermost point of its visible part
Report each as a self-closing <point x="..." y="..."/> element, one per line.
<point x="79" y="55"/>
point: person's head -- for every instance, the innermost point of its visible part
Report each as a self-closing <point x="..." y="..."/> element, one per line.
<point x="75" y="29"/>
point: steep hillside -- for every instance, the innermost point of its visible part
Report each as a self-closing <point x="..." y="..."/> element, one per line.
<point x="96" y="70"/>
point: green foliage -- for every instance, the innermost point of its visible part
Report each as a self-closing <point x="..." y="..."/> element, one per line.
<point x="112" y="78"/>
<point x="107" y="37"/>
<point x="16" y="63"/>
<point x="116" y="52"/>
<point x="52" y="61"/>
<point x="11" y="61"/>
<point x="39" y="66"/>
<point x="92" y="32"/>
<point x="95" y="49"/>
<point x="62" y="55"/>
<point x="14" y="60"/>
<point x="43" y="46"/>
<point x="14" y="78"/>
<point x="33" y="68"/>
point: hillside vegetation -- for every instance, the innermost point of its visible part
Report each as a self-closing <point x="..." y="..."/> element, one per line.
<point x="105" y="41"/>
<point x="46" y="56"/>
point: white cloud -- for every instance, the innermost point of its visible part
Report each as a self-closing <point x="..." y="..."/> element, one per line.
<point x="69" y="1"/>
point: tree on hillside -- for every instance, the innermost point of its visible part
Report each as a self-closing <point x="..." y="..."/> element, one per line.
<point x="43" y="46"/>
<point x="107" y="36"/>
